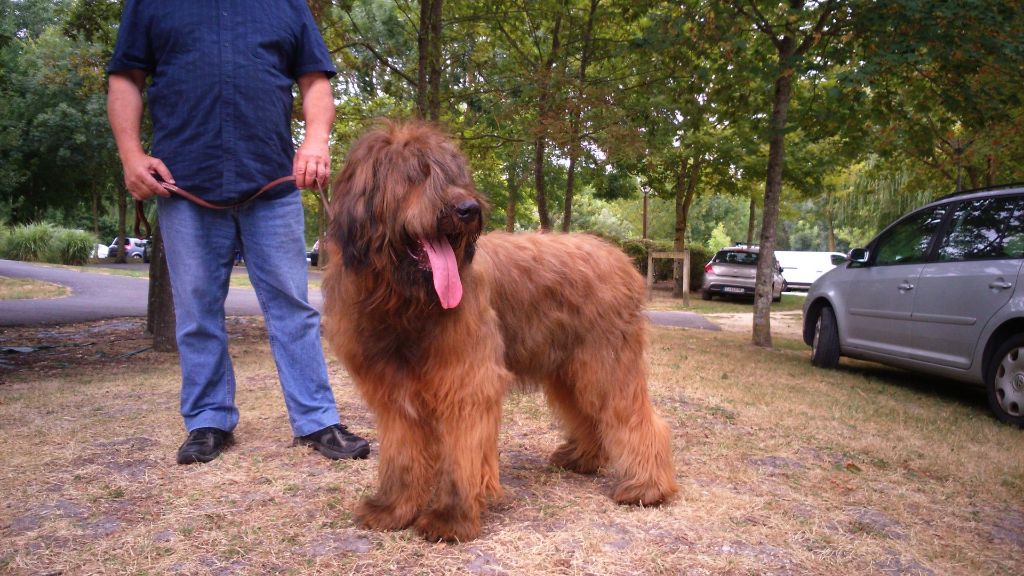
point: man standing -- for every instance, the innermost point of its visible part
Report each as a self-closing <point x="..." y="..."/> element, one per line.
<point x="220" y="99"/>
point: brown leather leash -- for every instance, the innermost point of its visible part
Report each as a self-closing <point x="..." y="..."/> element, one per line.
<point x="140" y="213"/>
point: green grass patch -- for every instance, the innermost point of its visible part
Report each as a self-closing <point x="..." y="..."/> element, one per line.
<point x="24" y="289"/>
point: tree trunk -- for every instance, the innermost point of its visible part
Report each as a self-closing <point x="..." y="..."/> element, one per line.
<point x="577" y="114"/>
<point x="513" y="196"/>
<point x="570" y="184"/>
<point x="96" y="215"/>
<point x="646" y="206"/>
<point x="686" y="186"/>
<point x="122" y="212"/>
<point x="428" y="70"/>
<point x="423" y="59"/>
<point x="434" y="99"/>
<point x="540" y="142"/>
<point x="750" y="219"/>
<point x="830" y="221"/>
<point x="160" y="313"/>
<point x="762" y="335"/>
<point x="538" y="180"/>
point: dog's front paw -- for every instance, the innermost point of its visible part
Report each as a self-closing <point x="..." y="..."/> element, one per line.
<point x="647" y="493"/>
<point x="448" y="525"/>
<point x="376" y="515"/>
<point x="573" y="457"/>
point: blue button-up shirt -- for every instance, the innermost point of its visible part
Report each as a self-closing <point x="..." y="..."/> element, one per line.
<point x="221" y="93"/>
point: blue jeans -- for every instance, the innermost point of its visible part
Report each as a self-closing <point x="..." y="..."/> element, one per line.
<point x="200" y="246"/>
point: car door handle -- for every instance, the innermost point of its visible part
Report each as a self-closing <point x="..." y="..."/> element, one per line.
<point x="1000" y="285"/>
<point x="905" y="286"/>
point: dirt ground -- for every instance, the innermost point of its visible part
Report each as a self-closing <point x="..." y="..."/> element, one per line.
<point x="50" y="349"/>
<point x="784" y="324"/>
<point x="784" y="470"/>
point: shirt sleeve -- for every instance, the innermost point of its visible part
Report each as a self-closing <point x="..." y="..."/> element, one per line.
<point x="133" y="50"/>
<point x="311" y="55"/>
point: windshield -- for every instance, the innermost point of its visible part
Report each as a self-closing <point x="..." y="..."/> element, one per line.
<point x="735" y="257"/>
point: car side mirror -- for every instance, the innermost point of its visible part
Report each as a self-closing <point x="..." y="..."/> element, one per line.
<point x="858" y="256"/>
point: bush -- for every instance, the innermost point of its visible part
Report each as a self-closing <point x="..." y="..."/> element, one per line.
<point x="699" y="256"/>
<point x="638" y="249"/>
<point x="45" y="242"/>
<point x="72" y="247"/>
<point x="29" y="243"/>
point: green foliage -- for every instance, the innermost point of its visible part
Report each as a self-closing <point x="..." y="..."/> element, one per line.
<point x="46" y="242"/>
<point x="849" y="238"/>
<point x="71" y="247"/>
<point x="617" y="184"/>
<point x="719" y="238"/>
<point x="944" y="78"/>
<point x="699" y="256"/>
<point x="890" y="108"/>
<point x="638" y="251"/>
<point x="593" y="215"/>
<point x="29" y="242"/>
<point x="55" y="145"/>
<point x="805" y="236"/>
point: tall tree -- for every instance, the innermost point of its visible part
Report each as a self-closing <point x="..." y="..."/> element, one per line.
<point x="586" y="53"/>
<point x="794" y="28"/>
<point x="428" y="77"/>
<point x="545" y="112"/>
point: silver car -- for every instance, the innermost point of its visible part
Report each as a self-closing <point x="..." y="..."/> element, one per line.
<point x="732" y="272"/>
<point x="134" y="247"/>
<point x="938" y="291"/>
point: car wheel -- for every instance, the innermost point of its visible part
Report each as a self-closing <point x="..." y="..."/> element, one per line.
<point x="704" y="294"/>
<point x="1005" y="382"/>
<point x="825" y="346"/>
<point x="778" y="298"/>
<point x="137" y="256"/>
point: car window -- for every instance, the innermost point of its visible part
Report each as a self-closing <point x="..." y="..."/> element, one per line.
<point x="837" y="259"/>
<point x="725" y="257"/>
<point x="908" y="241"/>
<point x="985" y="229"/>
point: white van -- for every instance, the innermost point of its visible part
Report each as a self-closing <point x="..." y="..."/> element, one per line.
<point x="801" y="269"/>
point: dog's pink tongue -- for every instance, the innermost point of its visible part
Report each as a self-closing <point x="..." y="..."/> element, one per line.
<point x="447" y="283"/>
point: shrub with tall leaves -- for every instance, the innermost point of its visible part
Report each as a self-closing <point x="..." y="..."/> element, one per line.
<point x="29" y="242"/>
<point x="71" y="247"/>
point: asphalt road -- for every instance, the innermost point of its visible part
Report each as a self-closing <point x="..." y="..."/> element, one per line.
<point x="98" y="296"/>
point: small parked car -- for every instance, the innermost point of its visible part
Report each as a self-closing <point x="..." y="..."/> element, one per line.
<point x="938" y="291"/>
<point x="801" y="268"/>
<point x="732" y="272"/>
<point x="134" y="248"/>
<point x="313" y="256"/>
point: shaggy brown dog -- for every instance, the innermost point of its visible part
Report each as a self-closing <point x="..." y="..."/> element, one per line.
<point x="435" y="322"/>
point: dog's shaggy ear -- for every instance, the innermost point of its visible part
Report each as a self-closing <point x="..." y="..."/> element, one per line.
<point x="354" y="227"/>
<point x="347" y="231"/>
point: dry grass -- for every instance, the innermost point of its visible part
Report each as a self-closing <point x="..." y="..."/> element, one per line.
<point x="784" y="470"/>
<point x="24" y="289"/>
<point x="661" y="299"/>
<point x="238" y="279"/>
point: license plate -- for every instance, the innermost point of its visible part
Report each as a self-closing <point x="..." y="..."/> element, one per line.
<point x="732" y="290"/>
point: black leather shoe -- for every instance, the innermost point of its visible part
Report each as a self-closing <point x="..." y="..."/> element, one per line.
<point x="336" y="442"/>
<point x="203" y="445"/>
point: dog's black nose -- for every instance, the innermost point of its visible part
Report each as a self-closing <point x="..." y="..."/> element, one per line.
<point x="468" y="210"/>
